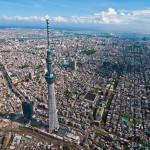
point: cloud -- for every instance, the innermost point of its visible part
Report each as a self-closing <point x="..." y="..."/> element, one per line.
<point x="109" y="17"/>
<point x="59" y="19"/>
<point x="141" y="16"/>
<point x="21" y="18"/>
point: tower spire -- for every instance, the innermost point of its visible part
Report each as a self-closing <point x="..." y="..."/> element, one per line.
<point x="50" y="78"/>
<point x="47" y="23"/>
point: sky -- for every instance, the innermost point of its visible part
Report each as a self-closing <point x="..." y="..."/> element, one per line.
<point x="115" y="15"/>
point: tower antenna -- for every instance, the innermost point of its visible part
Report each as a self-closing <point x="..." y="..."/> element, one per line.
<point x="47" y="22"/>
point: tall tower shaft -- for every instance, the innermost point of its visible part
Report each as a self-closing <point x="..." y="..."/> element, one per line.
<point x="50" y="78"/>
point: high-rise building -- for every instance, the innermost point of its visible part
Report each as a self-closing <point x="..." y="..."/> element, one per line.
<point x="73" y="64"/>
<point x="27" y="107"/>
<point x="50" y="78"/>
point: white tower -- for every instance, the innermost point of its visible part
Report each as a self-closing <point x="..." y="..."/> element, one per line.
<point x="50" y="78"/>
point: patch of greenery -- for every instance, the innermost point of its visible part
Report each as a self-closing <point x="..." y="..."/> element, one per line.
<point x="38" y="67"/>
<point x="97" y="90"/>
<point x="13" y="75"/>
<point x="69" y="94"/>
<point x="5" y="51"/>
<point x="79" y="64"/>
<point x="24" y="66"/>
<point x="88" y="52"/>
<point x="65" y="148"/>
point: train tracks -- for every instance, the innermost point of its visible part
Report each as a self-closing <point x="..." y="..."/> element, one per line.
<point x="7" y="126"/>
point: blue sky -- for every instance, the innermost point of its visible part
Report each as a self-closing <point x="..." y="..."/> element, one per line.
<point x="95" y="13"/>
<point x="66" y="7"/>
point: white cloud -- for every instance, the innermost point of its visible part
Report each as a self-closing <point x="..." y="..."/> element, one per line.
<point x="59" y="19"/>
<point x="21" y="18"/>
<point x="110" y="16"/>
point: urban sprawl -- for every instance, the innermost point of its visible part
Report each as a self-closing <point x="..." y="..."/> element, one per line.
<point x="102" y="90"/>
